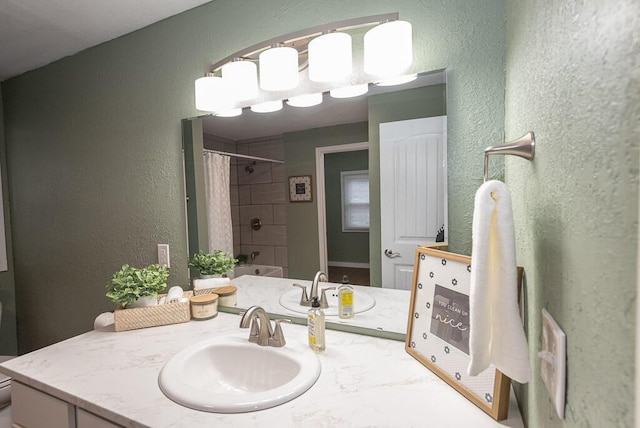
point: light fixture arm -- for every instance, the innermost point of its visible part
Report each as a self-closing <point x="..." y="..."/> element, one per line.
<point x="251" y="51"/>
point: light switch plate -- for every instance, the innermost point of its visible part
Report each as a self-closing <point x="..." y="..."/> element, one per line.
<point x="553" y="362"/>
<point x="163" y="255"/>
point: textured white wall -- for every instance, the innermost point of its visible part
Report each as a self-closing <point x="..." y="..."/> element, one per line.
<point x="573" y="77"/>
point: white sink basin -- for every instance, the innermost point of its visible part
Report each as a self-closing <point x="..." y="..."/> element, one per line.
<point x="231" y="375"/>
<point x="362" y="301"/>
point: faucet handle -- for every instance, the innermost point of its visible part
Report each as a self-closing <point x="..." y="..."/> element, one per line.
<point x="323" y="298"/>
<point x="277" y="340"/>
<point x="254" y="332"/>
<point x="304" y="298"/>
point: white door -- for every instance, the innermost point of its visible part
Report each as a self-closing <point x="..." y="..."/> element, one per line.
<point x="413" y="192"/>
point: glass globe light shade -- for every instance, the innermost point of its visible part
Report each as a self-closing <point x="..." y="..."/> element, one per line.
<point x="230" y="113"/>
<point x="242" y="76"/>
<point x="267" y="107"/>
<point x="279" y="69"/>
<point x="388" y="49"/>
<point x="397" y="80"/>
<point x="330" y="57"/>
<point x="350" y="91"/>
<point x="213" y="94"/>
<point x="306" y="100"/>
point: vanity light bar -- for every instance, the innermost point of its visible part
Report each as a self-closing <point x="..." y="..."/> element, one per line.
<point x="388" y="52"/>
<point x="290" y="38"/>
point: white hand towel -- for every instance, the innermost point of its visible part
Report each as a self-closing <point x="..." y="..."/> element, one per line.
<point x="174" y="295"/>
<point x="103" y="320"/>
<point x="496" y="334"/>
<point x="199" y="283"/>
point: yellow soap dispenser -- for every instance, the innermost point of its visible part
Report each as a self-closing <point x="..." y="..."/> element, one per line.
<point x="345" y="301"/>
<point x="315" y="325"/>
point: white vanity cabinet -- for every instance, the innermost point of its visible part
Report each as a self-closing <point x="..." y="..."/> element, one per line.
<point x="32" y="408"/>
<point x="85" y="419"/>
<point x="35" y="409"/>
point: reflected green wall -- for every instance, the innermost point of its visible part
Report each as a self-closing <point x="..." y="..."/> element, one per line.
<point x="573" y="77"/>
<point x="350" y="247"/>
<point x="302" y="217"/>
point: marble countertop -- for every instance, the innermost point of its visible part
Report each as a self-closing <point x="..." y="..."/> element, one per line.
<point x="365" y="381"/>
<point x="388" y="318"/>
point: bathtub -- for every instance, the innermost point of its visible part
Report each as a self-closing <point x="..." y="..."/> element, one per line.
<point x="260" y="270"/>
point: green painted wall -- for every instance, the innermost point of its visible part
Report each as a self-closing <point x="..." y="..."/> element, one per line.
<point x="573" y="77"/>
<point x="93" y="141"/>
<point x="8" y="334"/>
<point x="342" y="246"/>
<point x="302" y="217"/>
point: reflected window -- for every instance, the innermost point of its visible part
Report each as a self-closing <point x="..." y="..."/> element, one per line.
<point x="355" y="201"/>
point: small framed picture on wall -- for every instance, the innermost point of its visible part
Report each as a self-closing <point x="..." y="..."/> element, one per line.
<point x="300" y="188"/>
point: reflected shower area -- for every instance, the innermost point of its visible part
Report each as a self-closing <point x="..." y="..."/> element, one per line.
<point x="257" y="187"/>
<point x="256" y="180"/>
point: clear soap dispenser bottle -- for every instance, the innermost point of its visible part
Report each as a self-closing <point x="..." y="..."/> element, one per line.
<point x="315" y="324"/>
<point x="345" y="299"/>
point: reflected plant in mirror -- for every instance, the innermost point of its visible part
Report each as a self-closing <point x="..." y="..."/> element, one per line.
<point x="216" y="263"/>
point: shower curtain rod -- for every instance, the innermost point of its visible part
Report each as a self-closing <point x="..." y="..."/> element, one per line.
<point x="236" y="155"/>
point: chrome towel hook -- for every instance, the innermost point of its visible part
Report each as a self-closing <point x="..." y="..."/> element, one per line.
<point x="524" y="147"/>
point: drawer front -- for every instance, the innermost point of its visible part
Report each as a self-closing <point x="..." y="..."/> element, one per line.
<point x="89" y="420"/>
<point x="35" y="409"/>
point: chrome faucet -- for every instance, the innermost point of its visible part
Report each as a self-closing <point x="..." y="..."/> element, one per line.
<point x="308" y="300"/>
<point x="261" y="331"/>
<point x="320" y="276"/>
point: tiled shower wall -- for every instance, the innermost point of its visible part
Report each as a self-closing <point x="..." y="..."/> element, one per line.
<point x="259" y="194"/>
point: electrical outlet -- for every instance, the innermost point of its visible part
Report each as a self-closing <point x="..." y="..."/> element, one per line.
<point x="163" y="255"/>
<point x="553" y="361"/>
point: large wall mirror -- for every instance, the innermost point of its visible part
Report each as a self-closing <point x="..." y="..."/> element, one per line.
<point x="321" y="152"/>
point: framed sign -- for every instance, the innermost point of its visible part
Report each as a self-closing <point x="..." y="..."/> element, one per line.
<point x="300" y="188"/>
<point x="438" y="328"/>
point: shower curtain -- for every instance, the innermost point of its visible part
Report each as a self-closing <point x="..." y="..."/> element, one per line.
<point x="216" y="184"/>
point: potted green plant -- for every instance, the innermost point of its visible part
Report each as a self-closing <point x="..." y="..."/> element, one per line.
<point x="131" y="287"/>
<point x="209" y="264"/>
<point x="242" y="259"/>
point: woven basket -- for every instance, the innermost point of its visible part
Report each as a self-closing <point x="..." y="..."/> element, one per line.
<point x="151" y="316"/>
<point x="199" y="291"/>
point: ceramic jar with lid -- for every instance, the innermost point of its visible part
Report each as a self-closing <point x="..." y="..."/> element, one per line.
<point x="228" y="295"/>
<point x="204" y="306"/>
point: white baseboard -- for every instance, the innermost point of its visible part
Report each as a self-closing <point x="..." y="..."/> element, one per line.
<point x="349" y="264"/>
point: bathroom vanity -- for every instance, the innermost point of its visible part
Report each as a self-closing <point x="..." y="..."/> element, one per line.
<point x="105" y="378"/>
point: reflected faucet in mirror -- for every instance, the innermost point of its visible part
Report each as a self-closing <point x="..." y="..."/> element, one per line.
<point x="307" y="301"/>
<point x="320" y="276"/>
